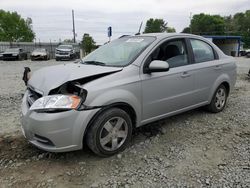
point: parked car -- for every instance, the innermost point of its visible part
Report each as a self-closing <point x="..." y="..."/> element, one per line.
<point x="247" y="53"/>
<point x="130" y="82"/>
<point x="1" y="55"/>
<point x="65" y="52"/>
<point x="14" y="54"/>
<point x="40" y="54"/>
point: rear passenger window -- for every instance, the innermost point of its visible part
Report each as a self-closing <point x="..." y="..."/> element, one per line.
<point x="202" y="51"/>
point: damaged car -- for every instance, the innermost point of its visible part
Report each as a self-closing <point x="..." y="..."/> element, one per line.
<point x="130" y="82"/>
<point x="40" y="54"/>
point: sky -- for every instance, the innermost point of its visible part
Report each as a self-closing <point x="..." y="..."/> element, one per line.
<point x="52" y="20"/>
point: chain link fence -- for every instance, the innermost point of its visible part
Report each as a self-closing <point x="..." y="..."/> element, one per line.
<point x="30" y="46"/>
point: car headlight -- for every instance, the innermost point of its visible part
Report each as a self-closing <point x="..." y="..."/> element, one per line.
<point x="56" y="102"/>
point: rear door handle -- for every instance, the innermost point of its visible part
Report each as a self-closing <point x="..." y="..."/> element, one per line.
<point x="185" y="74"/>
<point x="217" y="67"/>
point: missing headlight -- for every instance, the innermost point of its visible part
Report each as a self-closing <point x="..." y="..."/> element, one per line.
<point x="71" y="88"/>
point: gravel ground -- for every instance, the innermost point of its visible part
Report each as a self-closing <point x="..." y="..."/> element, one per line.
<point x="194" y="149"/>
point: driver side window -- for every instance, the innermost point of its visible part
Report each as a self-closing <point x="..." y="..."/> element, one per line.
<point x="174" y="52"/>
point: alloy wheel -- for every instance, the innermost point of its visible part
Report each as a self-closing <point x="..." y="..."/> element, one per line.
<point x="113" y="133"/>
<point x="220" y="98"/>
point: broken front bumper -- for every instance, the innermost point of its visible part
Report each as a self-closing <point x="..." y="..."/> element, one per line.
<point x="55" y="132"/>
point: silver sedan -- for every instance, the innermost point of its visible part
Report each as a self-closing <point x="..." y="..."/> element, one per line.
<point x="127" y="83"/>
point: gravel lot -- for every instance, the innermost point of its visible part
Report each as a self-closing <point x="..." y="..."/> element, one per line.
<point x="194" y="149"/>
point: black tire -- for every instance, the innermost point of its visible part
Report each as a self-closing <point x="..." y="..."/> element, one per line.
<point x="98" y="131"/>
<point x="57" y="59"/>
<point x="216" y="106"/>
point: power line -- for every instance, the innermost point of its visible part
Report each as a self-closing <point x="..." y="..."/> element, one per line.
<point x="74" y="33"/>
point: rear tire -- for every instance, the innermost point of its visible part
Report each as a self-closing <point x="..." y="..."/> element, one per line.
<point x="110" y="132"/>
<point x="219" y="100"/>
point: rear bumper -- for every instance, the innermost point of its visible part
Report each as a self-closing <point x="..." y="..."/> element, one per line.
<point x="55" y="132"/>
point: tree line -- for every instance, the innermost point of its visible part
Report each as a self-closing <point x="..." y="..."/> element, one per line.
<point x="206" y="24"/>
<point x="14" y="28"/>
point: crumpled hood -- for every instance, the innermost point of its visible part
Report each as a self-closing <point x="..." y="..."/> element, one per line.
<point x="38" y="53"/>
<point x="64" y="50"/>
<point x="51" y="77"/>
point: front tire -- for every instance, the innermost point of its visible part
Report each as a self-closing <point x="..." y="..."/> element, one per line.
<point x="110" y="132"/>
<point x="219" y="100"/>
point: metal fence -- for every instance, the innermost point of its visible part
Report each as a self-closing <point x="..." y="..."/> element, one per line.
<point x="30" y="46"/>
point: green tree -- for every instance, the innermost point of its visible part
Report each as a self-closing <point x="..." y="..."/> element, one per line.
<point x="13" y="28"/>
<point x="186" y="30"/>
<point x="171" y="30"/>
<point x="207" y="24"/>
<point x="88" y="43"/>
<point x="239" y="24"/>
<point x="242" y="26"/>
<point x="155" y="26"/>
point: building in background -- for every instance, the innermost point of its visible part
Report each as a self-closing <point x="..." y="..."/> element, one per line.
<point x="230" y="45"/>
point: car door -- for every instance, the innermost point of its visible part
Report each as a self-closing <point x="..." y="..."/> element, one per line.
<point x="166" y="93"/>
<point x="206" y="66"/>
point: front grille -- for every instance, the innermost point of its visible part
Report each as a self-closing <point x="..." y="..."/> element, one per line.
<point x="62" y="53"/>
<point x="7" y="55"/>
<point x="32" y="96"/>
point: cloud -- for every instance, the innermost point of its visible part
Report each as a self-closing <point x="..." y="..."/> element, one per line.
<point x="52" y="19"/>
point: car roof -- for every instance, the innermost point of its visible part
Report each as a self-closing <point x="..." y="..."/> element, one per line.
<point x="13" y="48"/>
<point x="40" y="49"/>
<point x="66" y="45"/>
<point x="165" y="35"/>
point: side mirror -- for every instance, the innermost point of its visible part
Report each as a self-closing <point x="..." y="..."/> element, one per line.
<point x="157" y="66"/>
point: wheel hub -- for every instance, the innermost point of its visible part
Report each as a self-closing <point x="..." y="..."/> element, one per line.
<point x="220" y="98"/>
<point x="113" y="133"/>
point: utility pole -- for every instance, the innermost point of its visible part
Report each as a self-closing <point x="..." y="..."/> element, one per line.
<point x="74" y="31"/>
<point x="190" y="17"/>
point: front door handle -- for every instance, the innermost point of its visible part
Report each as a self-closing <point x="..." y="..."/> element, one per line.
<point x="217" y="67"/>
<point x="185" y="74"/>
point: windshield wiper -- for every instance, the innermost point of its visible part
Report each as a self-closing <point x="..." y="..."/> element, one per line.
<point x="94" y="63"/>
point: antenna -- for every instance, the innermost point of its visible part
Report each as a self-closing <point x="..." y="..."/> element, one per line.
<point x="139" y="32"/>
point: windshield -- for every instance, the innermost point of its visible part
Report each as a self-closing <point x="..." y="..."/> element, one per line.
<point x="120" y="52"/>
<point x="65" y="47"/>
<point x="39" y="50"/>
<point x="16" y="50"/>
